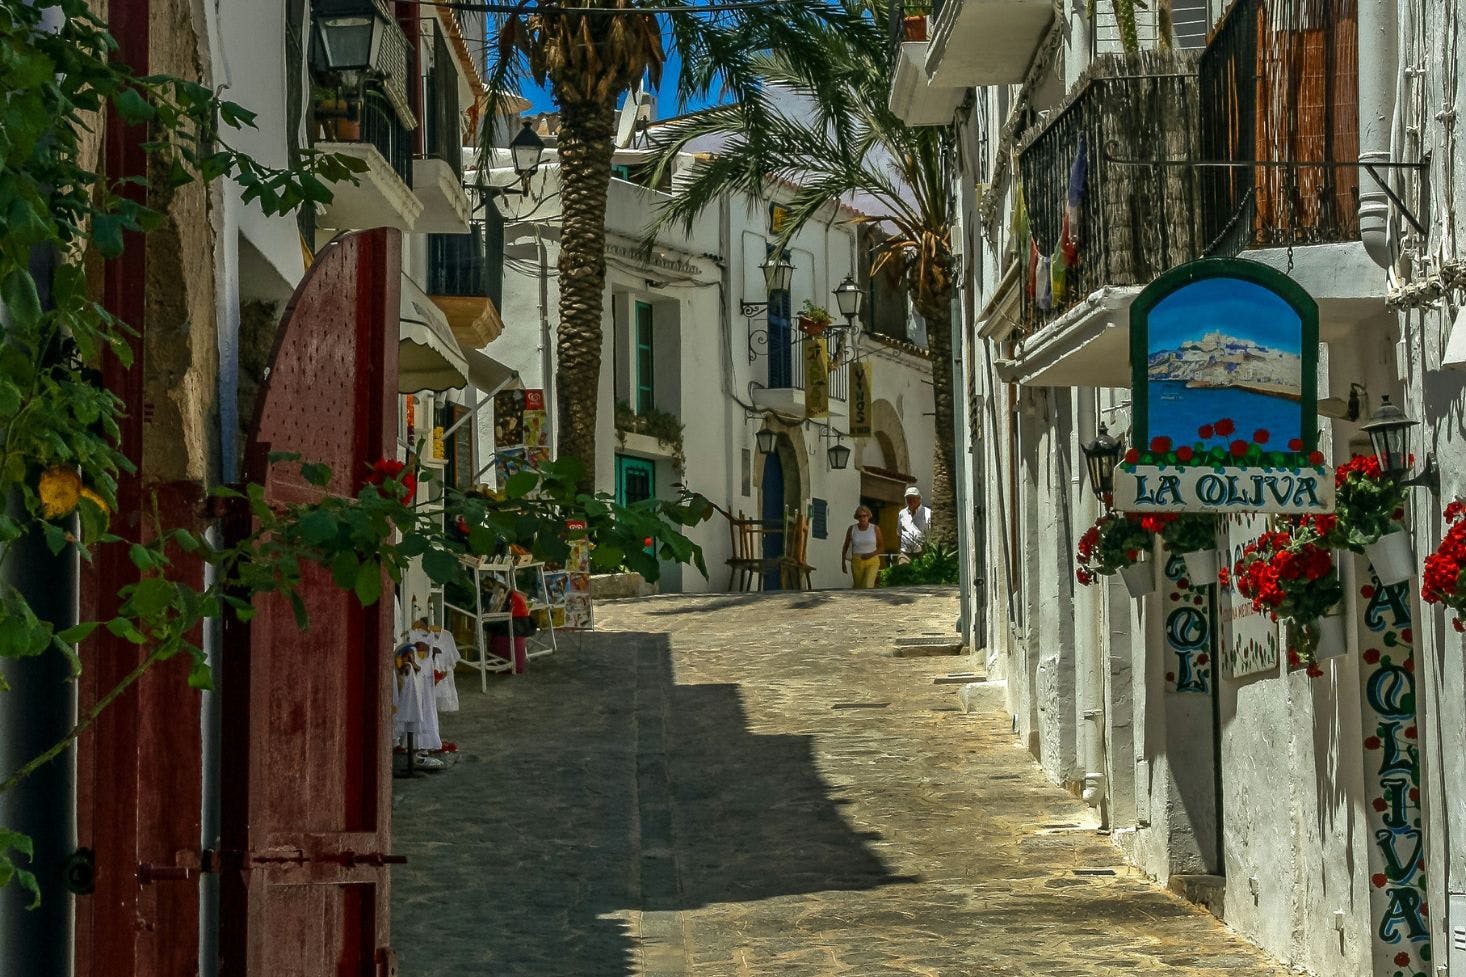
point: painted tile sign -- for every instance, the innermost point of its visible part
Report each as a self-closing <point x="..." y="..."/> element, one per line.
<point x="1224" y="360"/>
<point x="1188" y="631"/>
<point x="1392" y="781"/>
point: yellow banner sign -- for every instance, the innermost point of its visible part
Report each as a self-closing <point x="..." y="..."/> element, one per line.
<point x="860" y="399"/>
<point x="816" y="378"/>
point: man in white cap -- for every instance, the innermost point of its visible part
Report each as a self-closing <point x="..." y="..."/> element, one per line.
<point x="915" y="523"/>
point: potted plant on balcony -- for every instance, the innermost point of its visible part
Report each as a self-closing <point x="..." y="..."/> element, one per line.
<point x="1444" y="579"/>
<point x="337" y="112"/>
<point x="1289" y="574"/>
<point x="813" y="319"/>
<point x="1369" y="507"/>
<point x="1117" y="543"/>
<point x="913" y="25"/>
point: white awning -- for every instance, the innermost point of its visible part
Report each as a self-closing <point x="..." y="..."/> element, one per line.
<point x="1087" y="346"/>
<point x="490" y="376"/>
<point x="428" y="357"/>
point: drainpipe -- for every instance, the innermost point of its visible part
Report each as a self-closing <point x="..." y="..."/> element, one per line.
<point x="1378" y="63"/>
<point x="1096" y="792"/>
<point x="547" y="363"/>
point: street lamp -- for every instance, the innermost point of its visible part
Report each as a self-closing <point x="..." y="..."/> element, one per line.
<point x="838" y="454"/>
<point x="847" y="300"/>
<point x="349" y="36"/>
<point x="1101" y="456"/>
<point x="765" y="439"/>
<point x="778" y="272"/>
<point x="526" y="149"/>
<point x="1389" y="434"/>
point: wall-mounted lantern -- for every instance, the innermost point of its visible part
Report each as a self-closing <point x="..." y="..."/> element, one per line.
<point x="778" y="272"/>
<point x="1389" y="434"/>
<point x="1101" y="456"/>
<point x="848" y="297"/>
<point x="838" y="454"/>
<point x="765" y="440"/>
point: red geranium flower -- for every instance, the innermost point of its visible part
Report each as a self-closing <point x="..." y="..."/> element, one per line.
<point x="1184" y="453"/>
<point x="1132" y="456"/>
<point x="1204" y="431"/>
<point x="1315" y="457"/>
<point x="385" y="470"/>
<point x="1225" y="427"/>
<point x="1402" y="959"/>
<point x="1160" y="444"/>
<point x="1296" y="444"/>
<point x="1260" y="435"/>
<point x="1239" y="448"/>
<point x="1378" y="880"/>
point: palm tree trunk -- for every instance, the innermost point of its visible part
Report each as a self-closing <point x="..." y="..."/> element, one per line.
<point x="585" y="147"/>
<point x="937" y="312"/>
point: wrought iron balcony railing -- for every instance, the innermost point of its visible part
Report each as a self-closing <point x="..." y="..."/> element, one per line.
<point x="1279" y="89"/>
<point x="1108" y="184"/>
<point x="467" y="264"/>
<point x="381" y="127"/>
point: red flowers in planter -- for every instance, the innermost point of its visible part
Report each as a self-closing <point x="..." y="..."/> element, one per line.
<point x="390" y="471"/>
<point x="1160" y="444"/>
<point x="1116" y="540"/>
<point x="1225" y="427"/>
<point x="1289" y="573"/>
<point x="1443" y="580"/>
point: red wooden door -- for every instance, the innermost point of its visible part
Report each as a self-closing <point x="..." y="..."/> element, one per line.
<point x="306" y="745"/>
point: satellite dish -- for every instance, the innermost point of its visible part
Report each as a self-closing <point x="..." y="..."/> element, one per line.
<point x="637" y="108"/>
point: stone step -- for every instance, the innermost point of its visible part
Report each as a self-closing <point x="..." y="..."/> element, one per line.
<point x="928" y="646"/>
<point x="1207" y="891"/>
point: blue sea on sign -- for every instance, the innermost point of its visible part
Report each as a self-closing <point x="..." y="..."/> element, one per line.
<point x="1224" y="348"/>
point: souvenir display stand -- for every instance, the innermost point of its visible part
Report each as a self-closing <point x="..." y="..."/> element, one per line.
<point x="502" y="580"/>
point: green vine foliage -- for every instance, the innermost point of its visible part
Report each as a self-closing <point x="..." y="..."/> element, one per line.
<point x="659" y="424"/>
<point x="60" y="459"/>
<point x="934" y="564"/>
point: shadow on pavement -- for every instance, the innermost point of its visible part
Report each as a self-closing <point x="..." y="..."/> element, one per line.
<point x="801" y="599"/>
<point x="594" y="786"/>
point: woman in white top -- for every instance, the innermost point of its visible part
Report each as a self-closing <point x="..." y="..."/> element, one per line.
<point x="865" y="539"/>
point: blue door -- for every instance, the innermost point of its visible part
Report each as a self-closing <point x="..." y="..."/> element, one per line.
<point x="781" y="342"/>
<point x="773" y="516"/>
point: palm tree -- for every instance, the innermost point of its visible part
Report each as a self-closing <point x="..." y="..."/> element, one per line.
<point x="591" y="53"/>
<point x="819" y="121"/>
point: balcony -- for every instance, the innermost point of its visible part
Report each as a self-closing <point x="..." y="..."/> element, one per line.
<point x="1108" y="183"/>
<point x="985" y="42"/>
<point x="382" y="195"/>
<point x="465" y="281"/>
<point x="914" y="100"/>
<point x="784" y="391"/>
<point x="438" y="175"/>
<point x="1280" y="87"/>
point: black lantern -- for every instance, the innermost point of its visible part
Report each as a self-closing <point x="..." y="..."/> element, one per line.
<point x="778" y="273"/>
<point x="1101" y="456"/>
<point x="765" y="440"/>
<point x="847" y="298"/>
<point x="1389" y="434"/>
<point x="838" y="454"/>
<point x="349" y="35"/>
<point x="526" y="149"/>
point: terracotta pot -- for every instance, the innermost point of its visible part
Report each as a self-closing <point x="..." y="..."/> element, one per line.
<point x="1392" y="557"/>
<point x="812" y="327"/>
<point x="914" y="28"/>
<point x="348" y="130"/>
<point x="1201" y="567"/>
<point x="1139" y="578"/>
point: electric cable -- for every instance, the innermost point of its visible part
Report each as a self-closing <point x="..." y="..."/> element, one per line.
<point x="471" y="6"/>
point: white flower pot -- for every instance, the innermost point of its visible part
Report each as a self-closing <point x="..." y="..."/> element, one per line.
<point x="1201" y="567"/>
<point x="1333" y="639"/>
<point x="1392" y="557"/>
<point x="1139" y="578"/>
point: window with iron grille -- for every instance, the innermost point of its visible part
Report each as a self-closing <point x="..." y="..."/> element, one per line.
<point x="819" y="513"/>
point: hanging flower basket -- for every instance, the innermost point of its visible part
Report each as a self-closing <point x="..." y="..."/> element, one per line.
<point x="1114" y="543"/>
<point x="813" y="319"/>
<point x="1444" y="576"/>
<point x="1139" y="578"/>
<point x="1194" y="536"/>
<point x="1332" y="640"/>
<point x="1369" y="507"/>
<point x="1201" y="567"/>
<point x="1289" y="574"/>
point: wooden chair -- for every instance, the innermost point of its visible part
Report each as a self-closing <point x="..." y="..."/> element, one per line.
<point x="746" y="563"/>
<point x="794" y="564"/>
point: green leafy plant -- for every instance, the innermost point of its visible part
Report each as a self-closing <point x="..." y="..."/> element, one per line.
<point x="1183" y="532"/>
<point x="814" y="317"/>
<point x="935" y="564"/>
<point x="659" y="424"/>
<point x="1368" y="504"/>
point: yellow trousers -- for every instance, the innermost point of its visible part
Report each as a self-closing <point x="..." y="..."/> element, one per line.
<point x="863" y="570"/>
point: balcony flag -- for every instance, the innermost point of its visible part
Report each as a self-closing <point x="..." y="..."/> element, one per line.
<point x="816" y="378"/>
<point x="1224" y="364"/>
<point x="1068" y="240"/>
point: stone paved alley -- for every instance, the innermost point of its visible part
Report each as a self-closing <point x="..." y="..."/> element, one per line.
<point x="740" y="785"/>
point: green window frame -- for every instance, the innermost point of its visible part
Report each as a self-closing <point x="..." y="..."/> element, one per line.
<point x="646" y="394"/>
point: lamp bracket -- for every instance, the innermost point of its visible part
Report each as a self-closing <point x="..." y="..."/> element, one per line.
<point x="1429" y="477"/>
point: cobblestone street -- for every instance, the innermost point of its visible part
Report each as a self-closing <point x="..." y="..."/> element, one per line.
<point x="740" y="785"/>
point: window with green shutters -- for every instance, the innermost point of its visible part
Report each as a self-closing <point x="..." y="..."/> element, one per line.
<point x="646" y="399"/>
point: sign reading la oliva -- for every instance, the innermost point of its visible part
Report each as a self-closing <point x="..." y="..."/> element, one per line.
<point x="1224" y="364"/>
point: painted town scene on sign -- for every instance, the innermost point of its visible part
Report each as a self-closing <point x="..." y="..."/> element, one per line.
<point x="732" y="488"/>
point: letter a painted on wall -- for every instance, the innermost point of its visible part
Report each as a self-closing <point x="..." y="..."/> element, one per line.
<point x="816" y="378"/>
<point x="861" y="399"/>
<point x="1224" y="366"/>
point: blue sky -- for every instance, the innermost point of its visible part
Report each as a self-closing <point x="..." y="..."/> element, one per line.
<point x="666" y="96"/>
<point x="1226" y="305"/>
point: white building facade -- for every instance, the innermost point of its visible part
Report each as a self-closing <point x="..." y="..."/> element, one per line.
<point x="693" y="337"/>
<point x="1313" y="810"/>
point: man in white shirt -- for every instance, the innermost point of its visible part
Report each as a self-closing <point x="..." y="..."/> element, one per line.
<point x="915" y="522"/>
